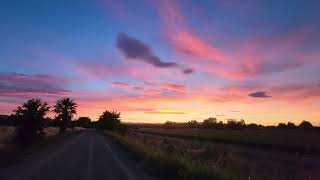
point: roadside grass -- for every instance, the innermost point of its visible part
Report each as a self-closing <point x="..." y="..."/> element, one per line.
<point x="245" y="161"/>
<point x="170" y="164"/>
<point x="287" y="140"/>
<point x="10" y="153"/>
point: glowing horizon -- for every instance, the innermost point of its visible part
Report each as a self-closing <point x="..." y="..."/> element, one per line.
<point x="173" y="60"/>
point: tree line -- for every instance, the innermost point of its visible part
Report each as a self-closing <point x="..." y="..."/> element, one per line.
<point x="31" y="119"/>
<point x="213" y="123"/>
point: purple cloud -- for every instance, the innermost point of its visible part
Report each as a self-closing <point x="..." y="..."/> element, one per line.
<point x="13" y="84"/>
<point x="260" y="94"/>
<point x="135" y="49"/>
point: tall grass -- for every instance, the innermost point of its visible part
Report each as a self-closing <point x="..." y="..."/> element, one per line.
<point x="279" y="139"/>
<point x="6" y="134"/>
<point x="171" y="165"/>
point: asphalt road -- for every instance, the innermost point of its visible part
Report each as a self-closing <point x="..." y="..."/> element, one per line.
<point x="87" y="156"/>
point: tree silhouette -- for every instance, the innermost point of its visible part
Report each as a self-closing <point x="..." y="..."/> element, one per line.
<point x="282" y="126"/>
<point x="233" y="124"/>
<point x="209" y="123"/>
<point x="65" y="109"/>
<point x="30" y="118"/>
<point x="291" y="125"/>
<point x="193" y="124"/>
<point x="109" y="120"/>
<point x="169" y="124"/>
<point x="305" y="125"/>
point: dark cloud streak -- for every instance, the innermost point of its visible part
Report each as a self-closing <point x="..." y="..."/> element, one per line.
<point x="135" y="49"/>
<point x="260" y="94"/>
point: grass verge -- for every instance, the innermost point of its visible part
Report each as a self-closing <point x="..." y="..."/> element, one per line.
<point x="170" y="165"/>
<point x="12" y="154"/>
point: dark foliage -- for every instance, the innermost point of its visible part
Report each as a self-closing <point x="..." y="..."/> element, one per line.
<point x="209" y="123"/>
<point x="193" y="124"/>
<point x="291" y="125"/>
<point x="109" y="120"/>
<point x="233" y="124"/>
<point x="83" y="122"/>
<point x="65" y="109"/>
<point x="282" y="126"/>
<point x="253" y="126"/>
<point x="305" y="125"/>
<point x="169" y="124"/>
<point x="30" y="117"/>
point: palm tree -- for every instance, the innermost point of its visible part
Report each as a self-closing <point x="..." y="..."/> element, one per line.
<point x="65" y="109"/>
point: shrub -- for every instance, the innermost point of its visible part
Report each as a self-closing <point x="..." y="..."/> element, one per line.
<point x="305" y="125"/>
<point x="233" y="124"/>
<point x="193" y="124"/>
<point x="291" y="125"/>
<point x="209" y="123"/>
<point x="109" y="120"/>
<point x="83" y="122"/>
<point x="282" y="126"/>
<point x="169" y="124"/>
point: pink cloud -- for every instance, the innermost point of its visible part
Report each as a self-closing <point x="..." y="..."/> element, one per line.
<point x="183" y="38"/>
<point x="139" y="89"/>
<point x="249" y="57"/>
<point x="14" y="84"/>
<point x="170" y="86"/>
<point x="190" y="44"/>
<point x="121" y="84"/>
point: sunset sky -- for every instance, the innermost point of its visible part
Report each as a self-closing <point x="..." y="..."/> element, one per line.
<point x="159" y="60"/>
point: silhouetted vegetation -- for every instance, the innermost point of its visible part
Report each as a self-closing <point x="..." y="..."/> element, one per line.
<point x="30" y="118"/>
<point x="65" y="109"/>
<point x="209" y="123"/>
<point x="193" y="124"/>
<point x="83" y="122"/>
<point x="110" y="120"/>
<point x="169" y="124"/>
<point x="233" y="124"/>
<point x="305" y="125"/>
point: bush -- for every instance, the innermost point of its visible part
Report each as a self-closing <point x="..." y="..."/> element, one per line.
<point x="282" y="126"/>
<point x="291" y="125"/>
<point x="83" y="122"/>
<point x="209" y="123"/>
<point x="193" y="124"/>
<point x="109" y="120"/>
<point x="169" y="124"/>
<point x="305" y="125"/>
<point x="233" y="124"/>
<point x="253" y="126"/>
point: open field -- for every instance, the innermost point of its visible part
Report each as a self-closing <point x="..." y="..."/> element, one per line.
<point x="224" y="154"/>
<point x="288" y="140"/>
<point x="170" y="165"/>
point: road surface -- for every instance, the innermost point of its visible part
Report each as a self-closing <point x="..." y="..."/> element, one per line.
<point x="87" y="156"/>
